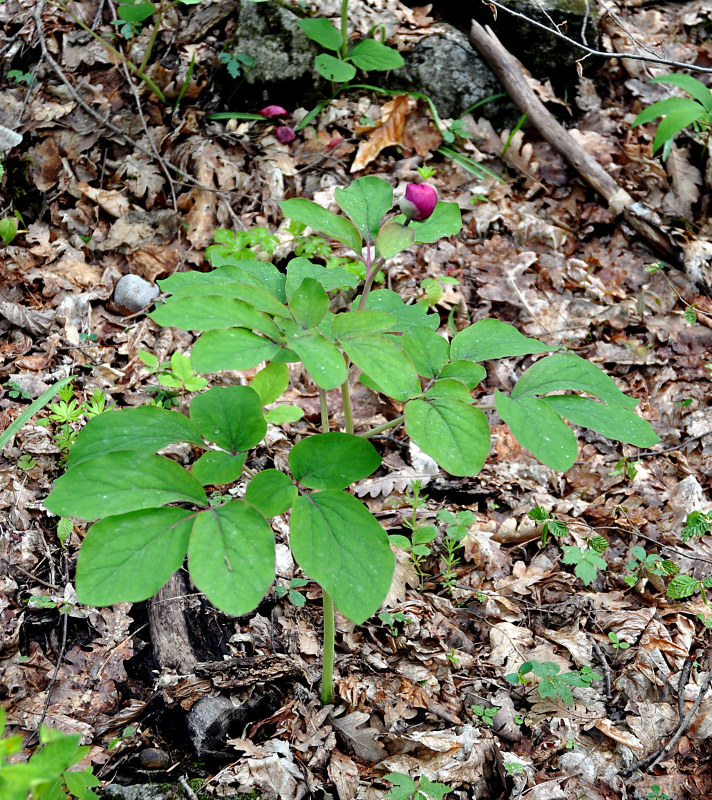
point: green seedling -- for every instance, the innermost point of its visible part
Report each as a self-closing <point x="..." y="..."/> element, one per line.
<point x="8" y="229"/>
<point x="587" y="562"/>
<point x="455" y="532"/>
<point x="652" y="563"/>
<point x="485" y="715"/>
<point x="697" y="525"/>
<point x="25" y="462"/>
<point x="16" y="392"/>
<point x="553" y="684"/>
<point x="656" y="793"/>
<point x="616" y="643"/>
<point x="295" y="598"/>
<point x="126" y="733"/>
<point x="405" y="788"/>
<point x="513" y="767"/>
<point x="390" y="620"/>
<point x="549" y="524"/>
<point x="19" y="76"/>
<point x="236" y="63"/>
<point x="434" y="289"/>
<point x="178" y="375"/>
<point x="626" y="466"/>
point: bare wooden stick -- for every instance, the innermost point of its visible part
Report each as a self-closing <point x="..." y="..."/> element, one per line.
<point x="508" y="70"/>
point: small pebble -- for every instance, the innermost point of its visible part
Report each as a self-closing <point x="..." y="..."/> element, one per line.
<point x="153" y="758"/>
<point x="132" y="293"/>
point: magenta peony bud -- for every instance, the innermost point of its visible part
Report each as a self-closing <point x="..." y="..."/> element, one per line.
<point x="419" y="201"/>
<point x="285" y="134"/>
<point x="273" y="111"/>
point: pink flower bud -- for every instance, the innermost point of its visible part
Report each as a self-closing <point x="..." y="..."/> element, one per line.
<point x="285" y="134"/>
<point x="273" y="111"/>
<point x="419" y="201"/>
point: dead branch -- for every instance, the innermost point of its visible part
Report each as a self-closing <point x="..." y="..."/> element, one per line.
<point x="509" y="72"/>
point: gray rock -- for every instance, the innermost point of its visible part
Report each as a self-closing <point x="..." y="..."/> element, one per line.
<point x="132" y="293"/>
<point x="144" y="791"/>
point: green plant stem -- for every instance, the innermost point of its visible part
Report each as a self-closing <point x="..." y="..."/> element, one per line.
<point x="324" y="409"/>
<point x="344" y="28"/>
<point x="348" y="410"/>
<point x="380" y="428"/>
<point x="327" y="672"/>
<point x="139" y="73"/>
<point x="371" y="272"/>
<point x="154" y="33"/>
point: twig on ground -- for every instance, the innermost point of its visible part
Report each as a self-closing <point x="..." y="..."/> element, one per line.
<point x="604" y="666"/>
<point x="189" y="793"/>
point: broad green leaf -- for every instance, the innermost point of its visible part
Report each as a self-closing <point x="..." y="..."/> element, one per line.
<point x="339" y="544"/>
<point x="332" y="460"/>
<point x="322" y="32"/>
<point x="230" y="416"/>
<point x="408" y="316"/>
<point x="236" y="348"/>
<point x="127" y="558"/>
<point x="135" y="13"/>
<point x="428" y="351"/>
<point x="451" y="431"/>
<point x="271" y="492"/>
<point x="271" y="382"/>
<point x="675" y="122"/>
<point x="212" y="312"/>
<point x="662" y="108"/>
<point x="229" y="270"/>
<point x="611" y="421"/>
<point x="371" y="55"/>
<point x="567" y="371"/>
<point x="121" y="482"/>
<point x="365" y="201"/>
<point x="255" y="294"/>
<point x="682" y="586"/>
<point x="394" y="238"/>
<point x="385" y="361"/>
<point x="325" y="363"/>
<point x="358" y="323"/>
<point x="691" y="85"/>
<point x="231" y="556"/>
<point x="145" y="429"/>
<point x="283" y="414"/>
<point x="321" y="220"/>
<point x="448" y="387"/>
<point x="444" y="221"/>
<point x="330" y="279"/>
<point x="490" y="338"/>
<point x="334" y="69"/>
<point x="217" y="468"/>
<point x="536" y="426"/>
<point x="466" y="371"/>
<point x="309" y="303"/>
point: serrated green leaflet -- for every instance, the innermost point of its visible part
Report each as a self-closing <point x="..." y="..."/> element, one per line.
<point x="567" y="371"/>
<point x="271" y="492"/>
<point x="408" y="316"/>
<point x="385" y="361"/>
<point x="490" y="338"/>
<point x="128" y="558"/>
<point x="358" y="323"/>
<point x="428" y="351"/>
<point x="230" y="416"/>
<point x="121" y="482"/>
<point x="611" y="421"/>
<point x="145" y="429"/>
<point x="309" y="303"/>
<point x="217" y="468"/>
<point x="338" y="543"/>
<point x="324" y="362"/>
<point x="536" y="426"/>
<point x="271" y="382"/>
<point x="236" y="348"/>
<point x="231" y="556"/>
<point x="365" y="201"/>
<point x="466" y="371"/>
<point x="322" y="220"/>
<point x="330" y="279"/>
<point x="451" y="431"/>
<point x="332" y="460"/>
<point x="212" y="312"/>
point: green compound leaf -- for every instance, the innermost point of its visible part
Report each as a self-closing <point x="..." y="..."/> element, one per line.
<point x="611" y="421"/>
<point x="408" y="317"/>
<point x="231" y="556"/>
<point x="567" y="371"/>
<point x="466" y="371"/>
<point x="309" y="303"/>
<point x="338" y="543"/>
<point x="332" y="460"/>
<point x="536" y="426"/>
<point x="385" y="362"/>
<point x="358" y="323"/>
<point x="365" y="201"/>
<point x="322" y="32"/>
<point x="330" y="279"/>
<point x="230" y="416"/>
<point x="127" y="558"/>
<point x="271" y="382"/>
<point x="371" y="55"/>
<point x="121" y="482"/>
<point x="212" y="312"/>
<point x="217" y="468"/>
<point x="450" y="430"/>
<point x="236" y="348"/>
<point x="333" y="69"/>
<point x="145" y="429"/>
<point x="428" y="351"/>
<point x="491" y="338"/>
<point x="323" y="360"/>
<point x="322" y="220"/>
<point x="271" y="492"/>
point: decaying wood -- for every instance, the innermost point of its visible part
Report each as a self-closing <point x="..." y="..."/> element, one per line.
<point x="508" y="70"/>
<point x="169" y="629"/>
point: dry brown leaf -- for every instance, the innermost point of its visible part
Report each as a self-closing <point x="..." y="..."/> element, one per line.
<point x="361" y="740"/>
<point x="686" y="180"/>
<point x="388" y="134"/>
<point x="114" y="203"/>
<point x="343" y="772"/>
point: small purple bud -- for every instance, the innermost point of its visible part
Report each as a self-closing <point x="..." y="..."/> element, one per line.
<point x="419" y="201"/>
<point x="285" y="134"/>
<point x="273" y="111"/>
